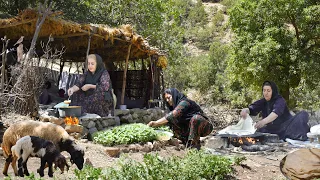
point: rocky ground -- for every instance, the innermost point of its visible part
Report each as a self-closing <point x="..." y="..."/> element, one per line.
<point x="259" y="165"/>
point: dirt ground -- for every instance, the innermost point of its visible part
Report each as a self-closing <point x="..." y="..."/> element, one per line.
<point x="258" y="166"/>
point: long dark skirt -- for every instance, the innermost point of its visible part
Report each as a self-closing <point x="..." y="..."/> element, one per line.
<point x="296" y="128"/>
<point x="198" y="127"/>
<point x="94" y="103"/>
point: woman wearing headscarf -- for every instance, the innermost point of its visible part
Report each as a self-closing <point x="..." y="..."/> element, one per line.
<point x="89" y="91"/>
<point x="186" y="119"/>
<point x="276" y="118"/>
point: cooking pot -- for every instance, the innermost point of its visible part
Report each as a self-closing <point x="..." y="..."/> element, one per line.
<point x="74" y="111"/>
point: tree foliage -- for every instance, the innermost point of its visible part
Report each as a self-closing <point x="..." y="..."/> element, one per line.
<point x="276" y="40"/>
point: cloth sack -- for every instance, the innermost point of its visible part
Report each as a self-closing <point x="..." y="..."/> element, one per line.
<point x="301" y="164"/>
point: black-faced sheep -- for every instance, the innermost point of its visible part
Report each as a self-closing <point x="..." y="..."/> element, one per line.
<point x="32" y="146"/>
<point x="47" y="131"/>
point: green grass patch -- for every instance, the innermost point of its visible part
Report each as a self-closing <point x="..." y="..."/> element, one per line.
<point x="195" y="165"/>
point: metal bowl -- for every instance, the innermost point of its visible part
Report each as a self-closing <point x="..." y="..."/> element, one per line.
<point x="74" y="111"/>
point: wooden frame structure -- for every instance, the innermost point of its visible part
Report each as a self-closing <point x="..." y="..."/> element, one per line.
<point x="78" y="40"/>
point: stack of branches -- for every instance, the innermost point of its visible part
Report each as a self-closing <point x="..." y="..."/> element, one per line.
<point x="29" y="79"/>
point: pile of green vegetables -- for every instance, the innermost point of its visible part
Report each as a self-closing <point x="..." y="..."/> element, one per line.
<point x="126" y="134"/>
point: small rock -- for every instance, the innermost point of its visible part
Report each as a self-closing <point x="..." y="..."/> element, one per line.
<point x="117" y="121"/>
<point x="182" y="146"/>
<point x="146" y="148"/>
<point x="174" y="142"/>
<point x="74" y="128"/>
<point x="125" y="150"/>
<point x="91" y="124"/>
<point x="88" y="162"/>
<point x="156" y="145"/>
<point x="113" y="151"/>
<point x="133" y="148"/>
<point x="84" y="140"/>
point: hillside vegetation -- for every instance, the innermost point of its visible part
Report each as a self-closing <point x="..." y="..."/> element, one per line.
<point x="223" y="50"/>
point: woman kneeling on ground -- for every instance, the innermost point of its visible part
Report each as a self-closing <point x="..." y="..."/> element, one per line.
<point x="276" y="118"/>
<point x="186" y="119"/>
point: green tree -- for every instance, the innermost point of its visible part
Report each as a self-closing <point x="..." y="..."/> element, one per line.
<point x="276" y="40"/>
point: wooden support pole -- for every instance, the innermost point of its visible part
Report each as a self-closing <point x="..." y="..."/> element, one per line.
<point x="125" y="76"/>
<point x="152" y="78"/>
<point x="88" y="49"/>
<point x="162" y="88"/>
<point x="39" y="24"/>
<point x="4" y="59"/>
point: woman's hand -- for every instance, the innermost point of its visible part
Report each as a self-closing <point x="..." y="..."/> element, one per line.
<point x="151" y="123"/>
<point x="86" y="87"/>
<point x="260" y="124"/>
<point x="244" y="112"/>
<point x="158" y="122"/>
<point x="70" y="91"/>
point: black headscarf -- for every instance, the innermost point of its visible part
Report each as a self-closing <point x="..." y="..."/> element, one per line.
<point x="94" y="78"/>
<point x="274" y="97"/>
<point x="176" y="97"/>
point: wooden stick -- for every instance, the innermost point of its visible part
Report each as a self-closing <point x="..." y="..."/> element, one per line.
<point x="125" y="76"/>
<point x="4" y="57"/>
<point x="36" y="33"/>
<point x="88" y="49"/>
<point x="152" y="79"/>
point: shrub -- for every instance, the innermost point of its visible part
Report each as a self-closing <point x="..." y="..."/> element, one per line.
<point x="195" y="165"/>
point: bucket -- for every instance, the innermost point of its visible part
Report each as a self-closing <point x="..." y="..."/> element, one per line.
<point x="123" y="107"/>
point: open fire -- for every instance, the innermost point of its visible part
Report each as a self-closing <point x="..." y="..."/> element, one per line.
<point x="239" y="141"/>
<point x="246" y="140"/>
<point x="71" y="120"/>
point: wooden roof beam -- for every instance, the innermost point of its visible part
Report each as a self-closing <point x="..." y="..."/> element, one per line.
<point x="70" y="35"/>
<point x="17" y="23"/>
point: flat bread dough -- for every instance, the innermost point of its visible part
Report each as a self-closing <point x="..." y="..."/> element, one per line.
<point x="315" y="129"/>
<point x="243" y="127"/>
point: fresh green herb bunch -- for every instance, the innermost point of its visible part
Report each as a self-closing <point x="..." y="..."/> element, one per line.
<point x="126" y="134"/>
<point x="163" y="128"/>
<point x="195" y="165"/>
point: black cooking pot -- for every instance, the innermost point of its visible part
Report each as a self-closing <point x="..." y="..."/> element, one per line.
<point x="74" y="111"/>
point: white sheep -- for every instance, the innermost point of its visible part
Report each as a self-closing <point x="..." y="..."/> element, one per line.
<point x="32" y="146"/>
<point x="47" y="131"/>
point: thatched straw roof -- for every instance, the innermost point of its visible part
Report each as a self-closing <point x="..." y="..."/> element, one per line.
<point x="111" y="43"/>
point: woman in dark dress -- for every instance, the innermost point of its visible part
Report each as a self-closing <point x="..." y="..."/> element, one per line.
<point x="89" y="91"/>
<point x="276" y="118"/>
<point x="186" y="119"/>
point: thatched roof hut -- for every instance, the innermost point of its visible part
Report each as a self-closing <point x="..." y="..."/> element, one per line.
<point x="112" y="44"/>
